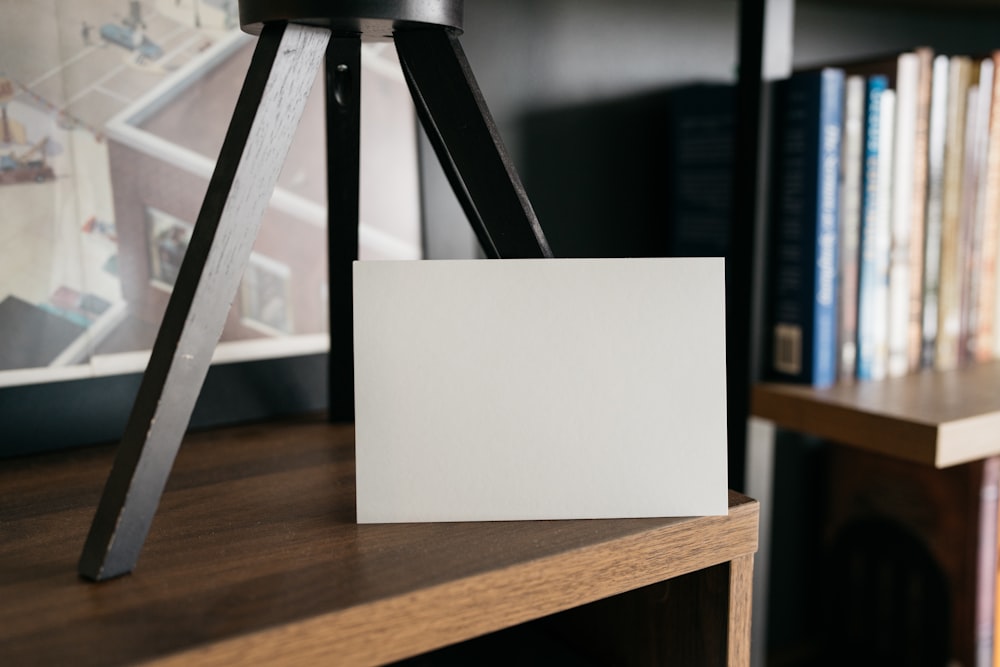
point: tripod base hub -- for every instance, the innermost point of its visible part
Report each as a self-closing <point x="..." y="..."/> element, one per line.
<point x="372" y="19"/>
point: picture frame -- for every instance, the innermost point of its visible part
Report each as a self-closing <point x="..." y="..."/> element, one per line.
<point x="112" y="115"/>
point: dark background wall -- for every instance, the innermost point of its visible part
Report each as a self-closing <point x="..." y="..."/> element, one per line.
<point x="568" y="81"/>
<point x="551" y="69"/>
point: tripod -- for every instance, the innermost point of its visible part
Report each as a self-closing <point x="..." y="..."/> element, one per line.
<point x="296" y="38"/>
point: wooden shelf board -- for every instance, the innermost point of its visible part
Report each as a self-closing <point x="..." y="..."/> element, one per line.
<point x="934" y="5"/>
<point x="937" y="418"/>
<point x="255" y="557"/>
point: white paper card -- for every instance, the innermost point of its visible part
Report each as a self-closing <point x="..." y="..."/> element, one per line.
<point x="540" y="389"/>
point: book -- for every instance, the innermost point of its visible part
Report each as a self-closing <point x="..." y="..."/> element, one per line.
<point x="986" y="562"/>
<point x="973" y="212"/>
<point x="873" y="277"/>
<point x="988" y="275"/>
<point x="993" y="658"/>
<point x="904" y="149"/>
<point x="909" y="75"/>
<point x="802" y="301"/>
<point x="946" y="350"/>
<point x="700" y="140"/>
<point x="936" y="138"/>
<point x="918" y="210"/>
<point x="850" y="224"/>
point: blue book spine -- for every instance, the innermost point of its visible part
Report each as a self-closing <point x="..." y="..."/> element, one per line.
<point x="803" y="288"/>
<point x="870" y="271"/>
<point x="828" y="213"/>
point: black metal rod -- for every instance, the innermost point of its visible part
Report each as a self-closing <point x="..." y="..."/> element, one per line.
<point x="281" y="73"/>
<point x="343" y="151"/>
<point x="465" y="138"/>
<point x="740" y="267"/>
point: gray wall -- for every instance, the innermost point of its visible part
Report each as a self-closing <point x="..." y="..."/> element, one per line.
<point x="827" y="32"/>
<point x="535" y="56"/>
<point x="537" y="59"/>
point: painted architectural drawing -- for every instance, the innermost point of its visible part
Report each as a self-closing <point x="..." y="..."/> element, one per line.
<point x="111" y="115"/>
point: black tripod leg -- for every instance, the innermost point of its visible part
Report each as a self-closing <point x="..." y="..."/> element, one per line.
<point x="343" y="141"/>
<point x="281" y="74"/>
<point x="463" y="133"/>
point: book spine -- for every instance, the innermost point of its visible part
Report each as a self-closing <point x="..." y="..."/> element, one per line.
<point x="873" y="273"/>
<point x="699" y="135"/>
<point x="802" y="310"/>
<point x="850" y="223"/>
<point x="978" y="323"/>
<point x="993" y="208"/>
<point x="986" y="332"/>
<point x="986" y="561"/>
<point x="974" y="215"/>
<point x="936" y="138"/>
<point x="907" y="82"/>
<point x="918" y="214"/>
<point x="828" y="214"/>
<point x="993" y="658"/>
<point x="946" y="353"/>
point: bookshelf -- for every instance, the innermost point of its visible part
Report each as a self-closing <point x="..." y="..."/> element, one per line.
<point x="932" y="434"/>
<point x="930" y="426"/>
<point x="939" y="419"/>
<point x="255" y="557"/>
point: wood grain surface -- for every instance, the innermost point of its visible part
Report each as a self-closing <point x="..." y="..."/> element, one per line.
<point x="255" y="557"/>
<point x="937" y="418"/>
<point x="740" y="604"/>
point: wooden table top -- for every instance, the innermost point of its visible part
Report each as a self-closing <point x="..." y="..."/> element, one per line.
<point x="255" y="556"/>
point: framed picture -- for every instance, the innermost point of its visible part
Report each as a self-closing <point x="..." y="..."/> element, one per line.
<point x="112" y="113"/>
<point x="168" y="241"/>
<point x="265" y="296"/>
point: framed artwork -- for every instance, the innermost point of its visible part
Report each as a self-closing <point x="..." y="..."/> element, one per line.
<point x="111" y="115"/>
<point x="265" y="296"/>
<point x="168" y="241"/>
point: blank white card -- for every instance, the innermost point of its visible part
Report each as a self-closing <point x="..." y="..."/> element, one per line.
<point x="540" y="389"/>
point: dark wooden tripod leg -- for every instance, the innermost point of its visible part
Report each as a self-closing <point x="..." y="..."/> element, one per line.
<point x="281" y="74"/>
<point x="462" y="131"/>
<point x="343" y="150"/>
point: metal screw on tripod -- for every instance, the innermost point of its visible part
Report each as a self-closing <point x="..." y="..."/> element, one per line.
<point x="342" y="85"/>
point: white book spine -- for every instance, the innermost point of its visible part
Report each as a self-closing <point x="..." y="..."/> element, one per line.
<point x="946" y="354"/>
<point x="937" y="133"/>
<point x="850" y="229"/>
<point x="883" y="234"/>
<point x="979" y="143"/>
<point x="907" y="76"/>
